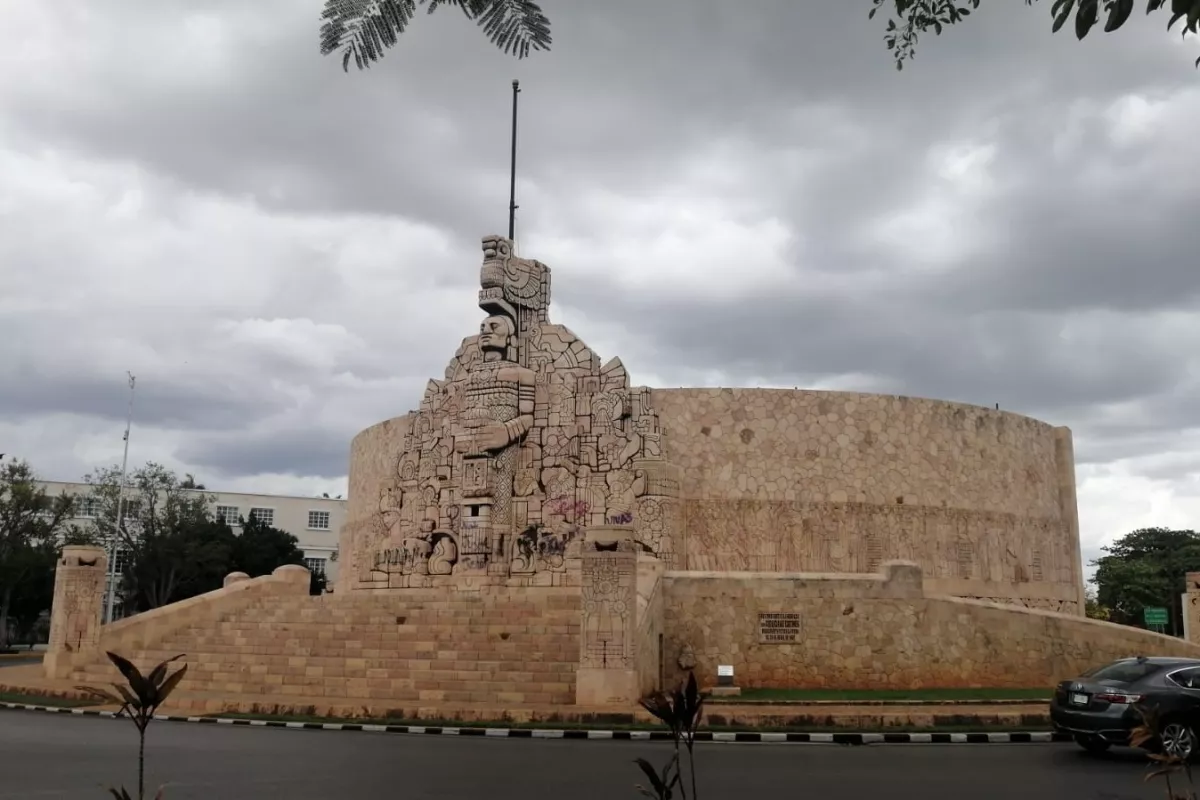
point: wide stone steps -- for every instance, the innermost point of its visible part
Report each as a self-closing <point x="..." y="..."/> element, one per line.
<point x="402" y="649"/>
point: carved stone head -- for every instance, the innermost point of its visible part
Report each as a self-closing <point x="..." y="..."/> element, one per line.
<point x="511" y="285"/>
<point x="497" y="334"/>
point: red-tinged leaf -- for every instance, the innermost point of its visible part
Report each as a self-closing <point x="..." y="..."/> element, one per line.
<point x="660" y="788"/>
<point x="160" y="672"/>
<point x="169" y="685"/>
<point x="130" y="700"/>
<point x="137" y="681"/>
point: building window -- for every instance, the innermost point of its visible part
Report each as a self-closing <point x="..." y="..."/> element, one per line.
<point x="264" y="515"/>
<point x="87" y="507"/>
<point x="318" y="520"/>
<point x="120" y="559"/>
<point x="315" y="565"/>
<point x="228" y="515"/>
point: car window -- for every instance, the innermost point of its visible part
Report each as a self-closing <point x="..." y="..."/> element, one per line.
<point x="1123" y="671"/>
<point x="1187" y="678"/>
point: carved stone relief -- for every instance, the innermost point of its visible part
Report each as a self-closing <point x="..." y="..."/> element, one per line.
<point x="526" y="442"/>
<point x="609" y="593"/>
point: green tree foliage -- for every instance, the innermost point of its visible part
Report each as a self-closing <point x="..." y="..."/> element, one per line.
<point x="31" y="525"/>
<point x="262" y="548"/>
<point x="1092" y="607"/>
<point x="363" y="29"/>
<point x="174" y="548"/>
<point x="911" y="18"/>
<point x="1147" y="567"/>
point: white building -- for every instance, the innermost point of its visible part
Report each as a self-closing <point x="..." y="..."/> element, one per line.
<point x="316" y="522"/>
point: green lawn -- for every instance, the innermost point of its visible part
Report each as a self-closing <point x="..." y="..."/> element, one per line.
<point x="809" y="695"/>
<point x="37" y="700"/>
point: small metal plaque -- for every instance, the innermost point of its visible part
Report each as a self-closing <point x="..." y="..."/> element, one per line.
<point x="778" y="628"/>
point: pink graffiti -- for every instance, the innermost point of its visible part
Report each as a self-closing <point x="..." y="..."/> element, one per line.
<point x="568" y="508"/>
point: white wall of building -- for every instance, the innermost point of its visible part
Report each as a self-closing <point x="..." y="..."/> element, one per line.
<point x="315" y="521"/>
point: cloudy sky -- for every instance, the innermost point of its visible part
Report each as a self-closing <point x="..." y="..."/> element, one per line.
<point x="729" y="194"/>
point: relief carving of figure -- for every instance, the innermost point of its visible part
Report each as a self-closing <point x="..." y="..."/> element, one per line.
<point x="526" y="442"/>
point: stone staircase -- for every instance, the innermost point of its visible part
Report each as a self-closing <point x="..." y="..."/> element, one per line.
<point x="496" y="649"/>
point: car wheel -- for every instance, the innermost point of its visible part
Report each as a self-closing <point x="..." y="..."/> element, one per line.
<point x="1178" y="740"/>
<point x="1093" y="744"/>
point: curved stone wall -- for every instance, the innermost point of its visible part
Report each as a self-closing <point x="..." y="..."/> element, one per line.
<point x="372" y="464"/>
<point x="780" y="480"/>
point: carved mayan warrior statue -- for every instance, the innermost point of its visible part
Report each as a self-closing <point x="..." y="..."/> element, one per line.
<point x="526" y="442"/>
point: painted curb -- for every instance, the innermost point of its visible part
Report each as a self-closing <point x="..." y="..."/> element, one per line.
<point x="735" y="701"/>
<point x="748" y="737"/>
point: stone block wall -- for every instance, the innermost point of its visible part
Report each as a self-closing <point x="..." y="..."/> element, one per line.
<point x="403" y="651"/>
<point x="144" y="630"/>
<point x="879" y="632"/>
<point x="373" y="454"/>
<point x="781" y="480"/>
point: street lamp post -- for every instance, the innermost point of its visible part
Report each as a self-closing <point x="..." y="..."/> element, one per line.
<point x="114" y="540"/>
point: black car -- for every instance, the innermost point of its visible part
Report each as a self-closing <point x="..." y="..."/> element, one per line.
<point x="1100" y="708"/>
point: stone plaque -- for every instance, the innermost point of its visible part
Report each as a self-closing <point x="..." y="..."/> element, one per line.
<point x="778" y="628"/>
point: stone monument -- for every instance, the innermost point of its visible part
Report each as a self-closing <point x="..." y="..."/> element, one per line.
<point x="79" y="582"/>
<point x="529" y="440"/>
<point x="526" y="442"/>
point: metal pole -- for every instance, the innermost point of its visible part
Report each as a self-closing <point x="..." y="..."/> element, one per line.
<point x="512" y="179"/>
<point x="115" y="539"/>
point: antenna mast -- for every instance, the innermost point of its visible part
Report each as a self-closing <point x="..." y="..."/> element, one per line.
<point x="512" y="179"/>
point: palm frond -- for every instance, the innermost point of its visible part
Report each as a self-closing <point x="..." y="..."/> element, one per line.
<point x="363" y="29"/>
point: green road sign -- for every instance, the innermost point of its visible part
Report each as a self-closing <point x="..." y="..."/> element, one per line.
<point x="1155" y="617"/>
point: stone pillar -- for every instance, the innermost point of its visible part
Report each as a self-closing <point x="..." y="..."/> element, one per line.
<point x="1191" y="608"/>
<point x="607" y="674"/>
<point x="79" y="584"/>
<point x="1068" y="504"/>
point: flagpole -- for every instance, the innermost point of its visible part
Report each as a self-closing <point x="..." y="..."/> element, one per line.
<point x="512" y="177"/>
<point x="115" y="539"/>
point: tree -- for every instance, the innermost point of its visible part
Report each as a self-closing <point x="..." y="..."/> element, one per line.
<point x="30" y="524"/>
<point x="915" y="17"/>
<point x="173" y="547"/>
<point x="33" y="595"/>
<point x="262" y="548"/>
<point x="1092" y="607"/>
<point x="1147" y="567"/>
<point x="189" y="482"/>
<point x="362" y="29"/>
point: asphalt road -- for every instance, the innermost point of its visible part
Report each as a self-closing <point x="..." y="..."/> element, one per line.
<point x="59" y="756"/>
